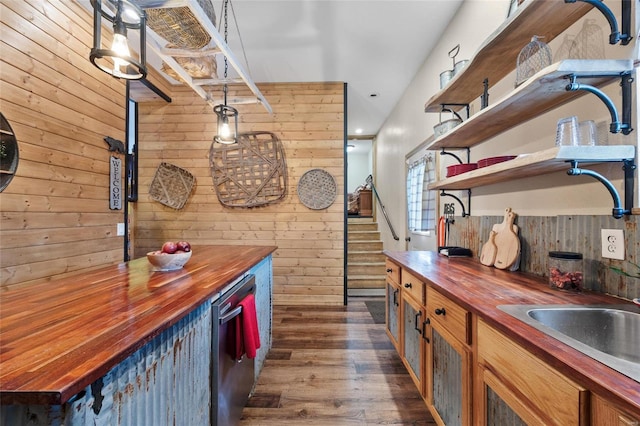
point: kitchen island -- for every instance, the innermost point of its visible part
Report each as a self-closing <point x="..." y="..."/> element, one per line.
<point x="472" y="294"/>
<point x="121" y="342"/>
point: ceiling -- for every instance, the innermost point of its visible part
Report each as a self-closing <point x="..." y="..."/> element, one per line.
<point x="375" y="46"/>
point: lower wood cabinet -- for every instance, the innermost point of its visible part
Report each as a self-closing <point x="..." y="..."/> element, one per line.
<point x="468" y="372"/>
<point x="392" y="322"/>
<point x="413" y="353"/>
<point x="604" y="413"/>
<point x="514" y="383"/>
<point x="449" y="361"/>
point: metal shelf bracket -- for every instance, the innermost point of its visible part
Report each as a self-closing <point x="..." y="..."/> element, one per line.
<point x="443" y="152"/>
<point x="629" y="169"/>
<point x="616" y="126"/>
<point x="465" y="212"/>
<point x="615" y="36"/>
<point x="452" y="106"/>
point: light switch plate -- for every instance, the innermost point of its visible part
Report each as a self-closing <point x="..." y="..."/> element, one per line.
<point x="120" y="230"/>
<point x="613" y="244"/>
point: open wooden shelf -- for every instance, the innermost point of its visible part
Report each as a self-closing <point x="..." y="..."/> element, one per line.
<point x="542" y="92"/>
<point x="498" y="55"/>
<point x="537" y="163"/>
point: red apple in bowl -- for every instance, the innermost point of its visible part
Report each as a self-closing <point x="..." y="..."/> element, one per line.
<point x="183" y="246"/>
<point x="169" y="247"/>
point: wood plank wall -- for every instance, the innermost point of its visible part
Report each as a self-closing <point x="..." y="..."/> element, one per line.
<point x="55" y="212"/>
<point x="309" y="120"/>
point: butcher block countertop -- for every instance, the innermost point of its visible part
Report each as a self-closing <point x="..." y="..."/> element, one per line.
<point x="58" y="337"/>
<point x="480" y="289"/>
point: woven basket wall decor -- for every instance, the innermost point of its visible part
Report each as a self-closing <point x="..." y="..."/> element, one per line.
<point x="179" y="26"/>
<point x="317" y="189"/>
<point x="171" y="185"/>
<point x="250" y="173"/>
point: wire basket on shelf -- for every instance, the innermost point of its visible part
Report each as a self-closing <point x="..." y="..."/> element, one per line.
<point x="589" y="42"/>
<point x="535" y="56"/>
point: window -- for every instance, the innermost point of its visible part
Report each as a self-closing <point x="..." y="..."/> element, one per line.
<point x="421" y="203"/>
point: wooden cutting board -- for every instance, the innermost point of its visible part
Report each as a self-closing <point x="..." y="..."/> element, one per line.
<point x="516" y="230"/>
<point x="489" y="249"/>
<point x="507" y="243"/>
<point x="498" y="226"/>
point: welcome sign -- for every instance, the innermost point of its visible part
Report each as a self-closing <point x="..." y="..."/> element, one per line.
<point x="115" y="184"/>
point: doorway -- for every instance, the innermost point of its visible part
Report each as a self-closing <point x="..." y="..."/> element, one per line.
<point x="365" y="261"/>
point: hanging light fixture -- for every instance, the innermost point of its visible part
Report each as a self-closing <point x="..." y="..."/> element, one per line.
<point x="117" y="60"/>
<point x="227" y="116"/>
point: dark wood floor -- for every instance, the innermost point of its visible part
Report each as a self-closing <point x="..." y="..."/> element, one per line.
<point x="333" y="366"/>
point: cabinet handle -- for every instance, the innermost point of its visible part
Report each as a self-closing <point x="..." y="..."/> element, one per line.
<point x="395" y="297"/>
<point x="424" y="329"/>
<point x="389" y="270"/>
<point x="407" y="285"/>
<point x="418" y="315"/>
<point x="440" y="311"/>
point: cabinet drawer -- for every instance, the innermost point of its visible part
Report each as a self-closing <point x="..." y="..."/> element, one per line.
<point x="452" y="317"/>
<point x="393" y="271"/>
<point x="412" y="285"/>
<point x="534" y="384"/>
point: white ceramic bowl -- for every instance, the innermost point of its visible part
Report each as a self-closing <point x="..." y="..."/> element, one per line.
<point x="168" y="262"/>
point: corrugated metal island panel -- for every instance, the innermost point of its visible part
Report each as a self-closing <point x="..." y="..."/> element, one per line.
<point x="166" y="382"/>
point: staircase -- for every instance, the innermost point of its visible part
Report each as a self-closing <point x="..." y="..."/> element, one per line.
<point x="365" y="261"/>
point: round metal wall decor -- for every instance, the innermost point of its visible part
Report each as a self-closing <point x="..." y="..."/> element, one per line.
<point x="8" y="153"/>
<point x="317" y="189"/>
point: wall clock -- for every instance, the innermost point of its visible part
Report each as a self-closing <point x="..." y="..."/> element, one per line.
<point x="8" y="153"/>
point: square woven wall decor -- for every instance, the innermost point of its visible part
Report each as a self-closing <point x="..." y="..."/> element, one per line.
<point x="251" y="172"/>
<point x="171" y="185"/>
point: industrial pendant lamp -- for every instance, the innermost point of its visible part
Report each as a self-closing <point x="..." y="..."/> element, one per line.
<point x="227" y="116"/>
<point x="117" y="61"/>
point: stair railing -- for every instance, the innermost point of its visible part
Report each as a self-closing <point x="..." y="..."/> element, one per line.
<point x="384" y="211"/>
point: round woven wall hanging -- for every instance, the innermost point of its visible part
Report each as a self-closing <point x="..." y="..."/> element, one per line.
<point x="317" y="189"/>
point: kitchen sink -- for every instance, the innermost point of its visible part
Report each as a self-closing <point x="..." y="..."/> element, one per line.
<point x="607" y="333"/>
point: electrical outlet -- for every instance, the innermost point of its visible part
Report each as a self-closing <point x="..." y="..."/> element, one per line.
<point x="613" y="244"/>
<point x="120" y="230"/>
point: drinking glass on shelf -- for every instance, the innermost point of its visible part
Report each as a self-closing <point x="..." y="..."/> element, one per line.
<point x="567" y="133"/>
<point x="588" y="133"/>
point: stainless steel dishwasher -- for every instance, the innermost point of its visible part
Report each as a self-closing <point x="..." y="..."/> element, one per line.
<point x="231" y="379"/>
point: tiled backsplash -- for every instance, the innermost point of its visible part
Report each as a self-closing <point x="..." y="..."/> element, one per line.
<point x="541" y="234"/>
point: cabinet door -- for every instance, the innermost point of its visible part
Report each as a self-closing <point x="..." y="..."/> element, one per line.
<point x="393" y="313"/>
<point x="500" y="405"/>
<point x="450" y="377"/>
<point x="413" y="352"/>
<point x="604" y="413"/>
<point x="533" y="389"/>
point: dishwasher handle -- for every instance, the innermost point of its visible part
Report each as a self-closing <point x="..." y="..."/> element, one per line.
<point x="230" y="315"/>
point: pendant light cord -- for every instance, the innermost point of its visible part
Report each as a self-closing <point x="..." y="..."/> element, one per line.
<point x="226" y="63"/>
